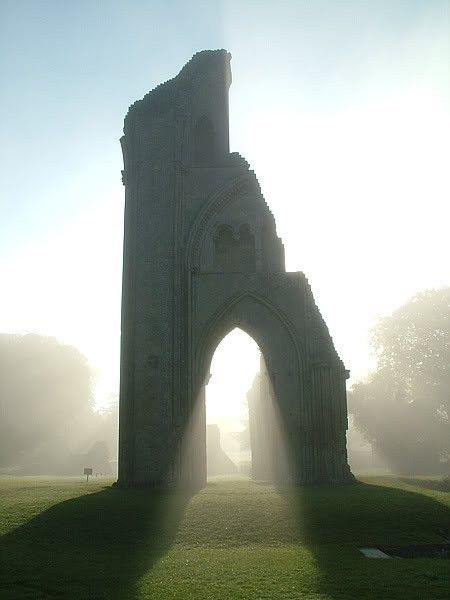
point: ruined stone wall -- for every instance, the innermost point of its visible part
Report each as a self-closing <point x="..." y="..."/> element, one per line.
<point x="202" y="256"/>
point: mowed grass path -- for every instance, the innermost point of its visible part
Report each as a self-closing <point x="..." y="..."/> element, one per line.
<point x="63" y="538"/>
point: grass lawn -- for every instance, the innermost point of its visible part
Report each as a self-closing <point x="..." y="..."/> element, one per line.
<point x="63" y="538"/>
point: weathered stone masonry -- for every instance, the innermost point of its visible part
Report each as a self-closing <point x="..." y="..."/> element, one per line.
<point x="202" y="256"/>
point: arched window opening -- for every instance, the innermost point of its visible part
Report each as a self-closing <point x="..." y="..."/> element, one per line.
<point x="204" y="141"/>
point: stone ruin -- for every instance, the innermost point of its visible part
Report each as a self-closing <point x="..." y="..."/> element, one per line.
<point x="201" y="257"/>
<point x="217" y="461"/>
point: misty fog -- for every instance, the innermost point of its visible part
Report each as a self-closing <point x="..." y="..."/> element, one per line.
<point x="49" y="425"/>
<point x="398" y="414"/>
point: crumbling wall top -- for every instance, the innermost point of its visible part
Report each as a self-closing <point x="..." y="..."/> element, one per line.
<point x="165" y="95"/>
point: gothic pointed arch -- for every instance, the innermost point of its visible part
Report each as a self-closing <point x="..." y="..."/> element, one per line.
<point x="233" y="314"/>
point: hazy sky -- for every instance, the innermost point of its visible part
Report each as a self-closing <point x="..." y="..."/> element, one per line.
<point x="342" y="109"/>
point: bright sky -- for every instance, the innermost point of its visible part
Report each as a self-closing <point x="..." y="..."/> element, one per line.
<point x="342" y="109"/>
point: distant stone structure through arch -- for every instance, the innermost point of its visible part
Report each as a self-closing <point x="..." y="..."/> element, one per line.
<point x="201" y="257"/>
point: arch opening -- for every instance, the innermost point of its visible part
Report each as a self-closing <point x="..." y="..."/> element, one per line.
<point x="234" y="366"/>
<point x="241" y="423"/>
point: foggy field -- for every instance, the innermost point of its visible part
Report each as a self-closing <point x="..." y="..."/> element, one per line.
<point x="64" y="538"/>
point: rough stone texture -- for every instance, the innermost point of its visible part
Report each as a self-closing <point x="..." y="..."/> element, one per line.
<point x="201" y="257"/>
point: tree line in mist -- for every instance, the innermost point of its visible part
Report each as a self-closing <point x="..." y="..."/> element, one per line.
<point x="402" y="407"/>
<point x="48" y="423"/>
<point x="401" y="410"/>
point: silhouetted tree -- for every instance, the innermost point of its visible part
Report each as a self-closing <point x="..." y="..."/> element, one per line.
<point x="403" y="407"/>
<point x="45" y="400"/>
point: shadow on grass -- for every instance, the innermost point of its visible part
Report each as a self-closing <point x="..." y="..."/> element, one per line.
<point x="95" y="546"/>
<point x="333" y="522"/>
<point x="100" y="545"/>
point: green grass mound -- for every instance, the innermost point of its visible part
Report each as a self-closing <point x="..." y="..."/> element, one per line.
<point x="63" y="538"/>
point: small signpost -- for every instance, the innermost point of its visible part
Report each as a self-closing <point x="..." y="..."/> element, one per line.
<point x="87" y="472"/>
